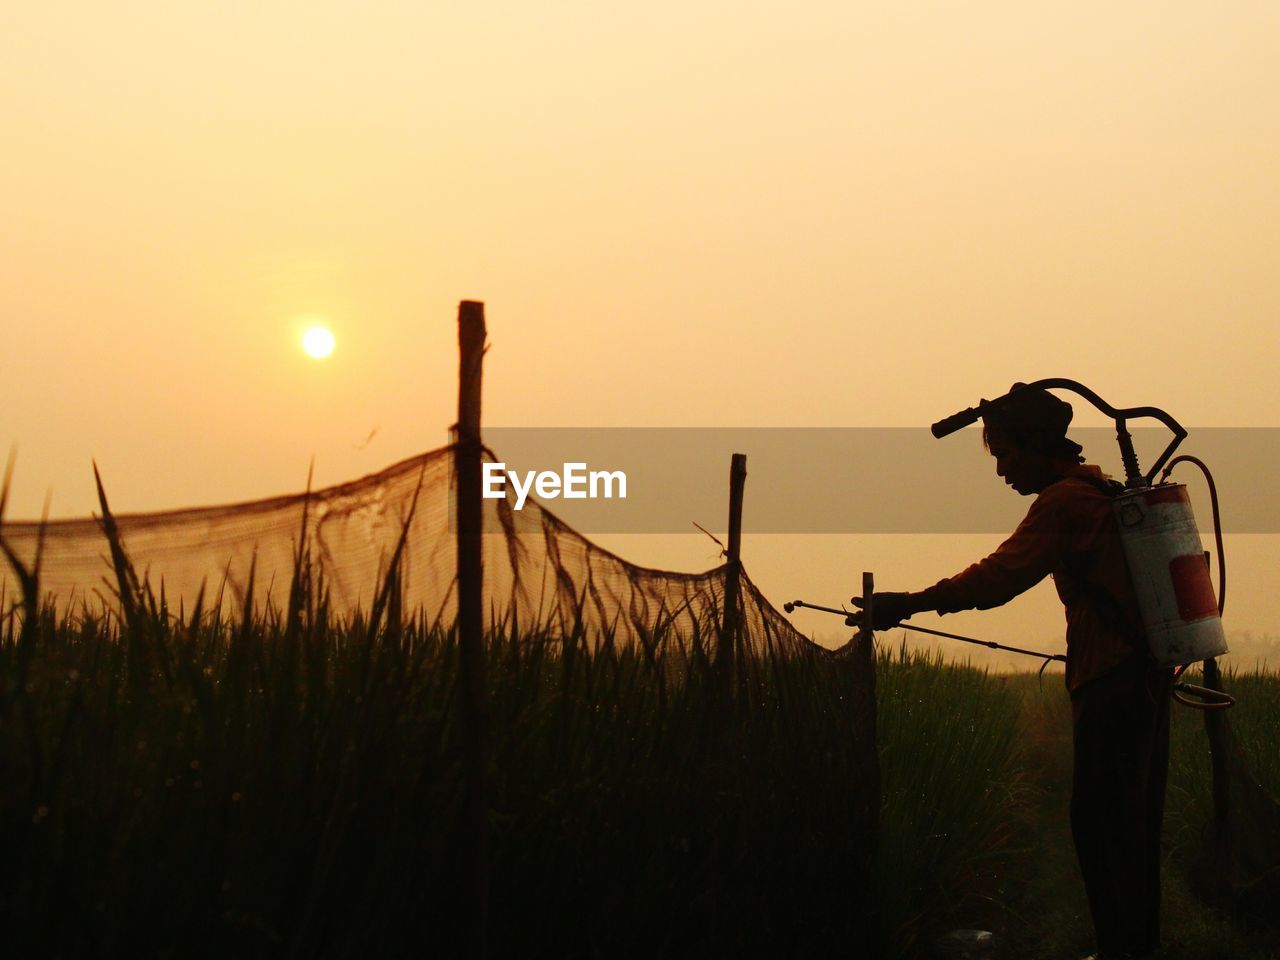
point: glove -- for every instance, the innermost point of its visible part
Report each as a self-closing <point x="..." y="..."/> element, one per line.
<point x="890" y="609"/>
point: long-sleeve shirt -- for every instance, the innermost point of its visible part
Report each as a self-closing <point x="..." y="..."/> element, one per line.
<point x="1070" y="533"/>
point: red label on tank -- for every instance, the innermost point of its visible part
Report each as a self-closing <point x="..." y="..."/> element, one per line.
<point x="1176" y="493"/>
<point x="1192" y="588"/>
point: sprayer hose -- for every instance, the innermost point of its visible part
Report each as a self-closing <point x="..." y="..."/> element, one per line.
<point x="1211" y="699"/>
<point x="1217" y="521"/>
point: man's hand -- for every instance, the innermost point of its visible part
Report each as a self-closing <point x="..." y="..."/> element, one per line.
<point x="889" y="609"/>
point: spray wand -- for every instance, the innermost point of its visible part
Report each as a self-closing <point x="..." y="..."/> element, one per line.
<point x="852" y="619"/>
<point x="1209" y="699"/>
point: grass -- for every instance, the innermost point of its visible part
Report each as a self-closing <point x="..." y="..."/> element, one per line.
<point x="197" y="788"/>
<point x="1253" y="725"/>
<point x="290" y="784"/>
<point x="950" y="756"/>
<point x="1238" y="872"/>
<point x="1048" y="919"/>
<point x="272" y="788"/>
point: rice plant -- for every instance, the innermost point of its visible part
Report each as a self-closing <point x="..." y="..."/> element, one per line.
<point x="173" y="783"/>
<point x="188" y="786"/>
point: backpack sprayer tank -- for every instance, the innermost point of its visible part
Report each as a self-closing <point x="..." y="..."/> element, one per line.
<point x="1170" y="575"/>
<point x="1166" y="561"/>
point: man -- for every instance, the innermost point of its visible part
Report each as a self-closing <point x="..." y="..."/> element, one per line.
<point x="1119" y="699"/>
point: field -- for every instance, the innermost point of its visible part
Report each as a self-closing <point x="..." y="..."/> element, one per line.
<point x="1048" y="918"/>
<point x="204" y="789"/>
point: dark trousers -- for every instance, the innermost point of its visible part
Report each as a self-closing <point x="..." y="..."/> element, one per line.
<point x="1120" y="737"/>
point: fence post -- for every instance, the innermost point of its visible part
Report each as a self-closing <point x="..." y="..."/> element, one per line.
<point x="731" y="632"/>
<point x="864" y="677"/>
<point x="471" y="666"/>
<point x="868" y="598"/>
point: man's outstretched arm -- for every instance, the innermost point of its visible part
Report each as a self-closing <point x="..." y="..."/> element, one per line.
<point x="1029" y="555"/>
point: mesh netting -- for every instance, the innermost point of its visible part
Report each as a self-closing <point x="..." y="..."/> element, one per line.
<point x="538" y="572"/>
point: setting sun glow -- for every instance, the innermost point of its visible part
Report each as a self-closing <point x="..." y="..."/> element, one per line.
<point x="318" y="342"/>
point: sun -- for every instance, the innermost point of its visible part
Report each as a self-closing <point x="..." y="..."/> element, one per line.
<point x="318" y="342"/>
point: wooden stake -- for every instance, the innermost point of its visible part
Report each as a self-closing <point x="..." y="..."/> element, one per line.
<point x="730" y="634"/>
<point x="868" y="605"/>
<point x="863" y="663"/>
<point x="474" y="708"/>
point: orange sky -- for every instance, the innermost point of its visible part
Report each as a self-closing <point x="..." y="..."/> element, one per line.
<point x="692" y="213"/>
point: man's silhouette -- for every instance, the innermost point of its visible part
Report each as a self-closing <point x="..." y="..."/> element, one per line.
<point x="1119" y="699"/>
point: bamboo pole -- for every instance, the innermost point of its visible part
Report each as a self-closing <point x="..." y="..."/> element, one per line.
<point x="471" y="666"/>
<point x="731" y="632"/>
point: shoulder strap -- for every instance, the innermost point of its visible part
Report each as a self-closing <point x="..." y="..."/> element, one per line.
<point x="1112" y="488"/>
<point x="1102" y="599"/>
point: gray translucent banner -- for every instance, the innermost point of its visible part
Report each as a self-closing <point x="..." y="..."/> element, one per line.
<point x="850" y="480"/>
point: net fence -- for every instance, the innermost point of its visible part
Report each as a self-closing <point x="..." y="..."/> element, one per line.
<point x="539" y="573"/>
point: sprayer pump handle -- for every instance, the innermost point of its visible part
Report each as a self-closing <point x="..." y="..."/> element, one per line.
<point x="957" y="421"/>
